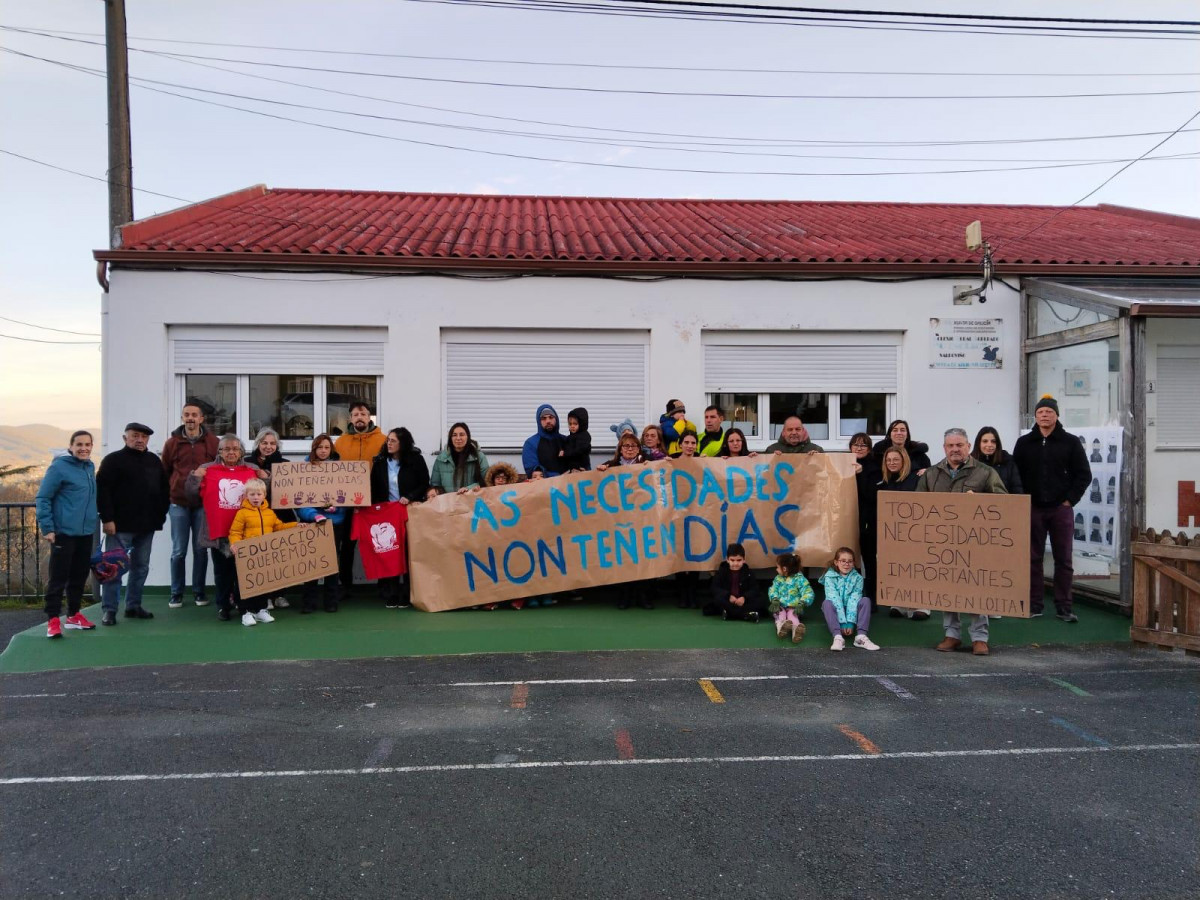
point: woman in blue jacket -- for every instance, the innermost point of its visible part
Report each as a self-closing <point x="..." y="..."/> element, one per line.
<point x="66" y="515"/>
<point x="322" y="451"/>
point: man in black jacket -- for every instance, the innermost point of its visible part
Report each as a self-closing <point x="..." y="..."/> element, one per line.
<point x="132" y="496"/>
<point x="1055" y="471"/>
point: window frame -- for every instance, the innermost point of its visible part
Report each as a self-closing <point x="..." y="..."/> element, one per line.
<point x="833" y="398"/>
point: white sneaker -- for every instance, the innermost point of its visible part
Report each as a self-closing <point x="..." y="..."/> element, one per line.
<point x="248" y="619"/>
<point x="270" y="603"/>
<point x="281" y="603"/>
<point x="839" y="643"/>
<point x="263" y="616"/>
<point x="864" y="643"/>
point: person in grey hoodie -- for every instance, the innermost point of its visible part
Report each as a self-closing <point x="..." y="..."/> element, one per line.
<point x="66" y="516"/>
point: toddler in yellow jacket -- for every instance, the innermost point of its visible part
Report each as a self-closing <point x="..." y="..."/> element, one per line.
<point x="255" y="519"/>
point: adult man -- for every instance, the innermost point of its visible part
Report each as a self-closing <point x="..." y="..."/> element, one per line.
<point x="960" y="473"/>
<point x="363" y="441"/>
<point x="540" y="450"/>
<point x="132" y="496"/>
<point x="190" y="446"/>
<point x="713" y="438"/>
<point x="1055" y="471"/>
<point x="794" y="438"/>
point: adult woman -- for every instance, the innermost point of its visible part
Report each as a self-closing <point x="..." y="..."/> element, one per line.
<point x="866" y="477"/>
<point x="735" y="444"/>
<point x="898" y="476"/>
<point x="629" y="453"/>
<point x="338" y="518"/>
<point x="988" y="449"/>
<point x="66" y="515"/>
<point x="264" y="453"/>
<point x="461" y="466"/>
<point x="653" y="445"/>
<point x="398" y="474"/>
<point x="898" y="435"/>
<point x="689" y="445"/>
<point x="219" y="486"/>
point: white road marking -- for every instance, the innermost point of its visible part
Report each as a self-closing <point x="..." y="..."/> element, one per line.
<point x="142" y="694"/>
<point x="595" y="763"/>
<point x="896" y="689"/>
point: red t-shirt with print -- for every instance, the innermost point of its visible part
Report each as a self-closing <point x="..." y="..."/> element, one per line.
<point x="221" y="492"/>
<point x="381" y="532"/>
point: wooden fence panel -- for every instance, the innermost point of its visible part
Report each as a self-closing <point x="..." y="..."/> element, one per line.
<point x="1166" y="591"/>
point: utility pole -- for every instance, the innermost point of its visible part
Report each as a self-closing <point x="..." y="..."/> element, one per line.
<point x="120" y="154"/>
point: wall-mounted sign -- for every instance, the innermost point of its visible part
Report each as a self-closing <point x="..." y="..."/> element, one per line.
<point x="965" y="344"/>
<point x="1079" y="381"/>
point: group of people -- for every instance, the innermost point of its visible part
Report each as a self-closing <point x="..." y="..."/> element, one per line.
<point x="214" y="492"/>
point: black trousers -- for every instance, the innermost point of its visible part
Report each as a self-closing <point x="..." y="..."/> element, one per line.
<point x="345" y="554"/>
<point x="752" y="604"/>
<point x="332" y="586"/>
<point x="70" y="558"/>
<point x="225" y="581"/>
<point x="867" y="542"/>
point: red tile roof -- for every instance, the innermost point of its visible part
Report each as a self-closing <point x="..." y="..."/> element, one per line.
<point x="338" y="228"/>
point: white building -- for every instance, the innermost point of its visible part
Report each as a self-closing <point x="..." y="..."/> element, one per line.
<point x="278" y="307"/>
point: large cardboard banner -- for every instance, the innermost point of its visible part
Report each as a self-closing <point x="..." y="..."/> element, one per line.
<point x="285" y="558"/>
<point x="323" y="484"/>
<point x="628" y="523"/>
<point x="966" y="553"/>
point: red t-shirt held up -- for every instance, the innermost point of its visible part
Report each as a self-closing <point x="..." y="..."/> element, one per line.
<point x="380" y="532"/>
<point x="221" y="492"/>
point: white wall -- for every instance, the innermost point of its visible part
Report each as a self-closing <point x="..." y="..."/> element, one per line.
<point x="142" y="305"/>
<point x="1166" y="468"/>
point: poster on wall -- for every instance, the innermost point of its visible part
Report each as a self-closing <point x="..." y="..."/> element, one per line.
<point x="1098" y="514"/>
<point x="965" y="344"/>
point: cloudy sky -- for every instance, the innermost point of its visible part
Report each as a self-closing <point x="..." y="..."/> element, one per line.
<point x="431" y="96"/>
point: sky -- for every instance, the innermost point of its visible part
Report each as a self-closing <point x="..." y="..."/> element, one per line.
<point x="748" y="144"/>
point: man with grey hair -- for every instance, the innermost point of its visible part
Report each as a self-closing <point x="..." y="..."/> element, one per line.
<point x="961" y="473"/>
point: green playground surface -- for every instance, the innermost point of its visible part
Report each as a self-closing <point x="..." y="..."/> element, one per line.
<point x="363" y="628"/>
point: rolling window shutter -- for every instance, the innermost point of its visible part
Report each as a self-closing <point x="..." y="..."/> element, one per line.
<point x="278" y="357"/>
<point x="866" y="369"/>
<point x="1178" y="400"/>
<point x="497" y="388"/>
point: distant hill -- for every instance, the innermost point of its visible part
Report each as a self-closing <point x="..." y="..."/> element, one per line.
<point x="33" y="444"/>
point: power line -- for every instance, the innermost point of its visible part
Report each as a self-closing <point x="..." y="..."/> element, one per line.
<point x="610" y="66"/>
<point x="737" y="95"/>
<point x="736" y="140"/>
<point x="13" y="337"/>
<point x="47" y="327"/>
<point x="1096" y="189"/>
<point x="856" y="24"/>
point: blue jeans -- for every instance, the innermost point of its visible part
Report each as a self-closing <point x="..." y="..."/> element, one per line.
<point x="185" y="525"/>
<point x="138" y="546"/>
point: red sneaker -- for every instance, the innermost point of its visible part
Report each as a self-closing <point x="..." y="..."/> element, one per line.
<point x="79" y="622"/>
<point x="54" y="628"/>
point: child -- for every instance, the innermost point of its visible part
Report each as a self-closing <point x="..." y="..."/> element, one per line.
<point x="254" y="519"/>
<point x="500" y="474"/>
<point x="845" y="607"/>
<point x="789" y="592"/>
<point x="673" y="424"/>
<point x="735" y="592"/>
<point x="576" y="453"/>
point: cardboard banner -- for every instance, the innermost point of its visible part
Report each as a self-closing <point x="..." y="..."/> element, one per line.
<point x="323" y="484"/>
<point x="628" y="523"/>
<point x="966" y="553"/>
<point x="285" y="558"/>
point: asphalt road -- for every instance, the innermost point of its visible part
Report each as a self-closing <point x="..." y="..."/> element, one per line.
<point x="904" y="773"/>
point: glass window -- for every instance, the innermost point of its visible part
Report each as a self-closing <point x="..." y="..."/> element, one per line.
<point x="340" y="392"/>
<point x="1051" y="317"/>
<point x="216" y="395"/>
<point x="813" y="410"/>
<point x="862" y="412"/>
<point x="282" y="402"/>
<point x="739" y="410"/>
<point x="1081" y="378"/>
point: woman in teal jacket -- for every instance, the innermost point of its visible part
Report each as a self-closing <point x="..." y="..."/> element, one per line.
<point x="461" y="466"/>
<point x="66" y="515"/>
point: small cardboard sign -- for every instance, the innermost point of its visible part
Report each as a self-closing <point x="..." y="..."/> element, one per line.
<point x="965" y="553"/>
<point x="323" y="484"/>
<point x="285" y="558"/>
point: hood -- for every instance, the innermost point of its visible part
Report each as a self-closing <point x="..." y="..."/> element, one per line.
<point x="582" y="415"/>
<point x="537" y="418"/>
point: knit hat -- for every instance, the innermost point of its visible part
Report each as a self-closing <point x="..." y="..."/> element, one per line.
<point x="675" y="406"/>
<point x="621" y="427"/>
<point x="1047" y="401"/>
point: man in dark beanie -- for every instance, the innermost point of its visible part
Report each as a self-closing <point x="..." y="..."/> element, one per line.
<point x="1055" y="471"/>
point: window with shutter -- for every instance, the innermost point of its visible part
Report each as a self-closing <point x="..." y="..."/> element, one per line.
<point x="1178" y="417"/>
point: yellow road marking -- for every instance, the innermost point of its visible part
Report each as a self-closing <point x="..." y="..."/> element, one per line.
<point x="711" y="690"/>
